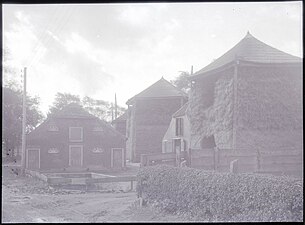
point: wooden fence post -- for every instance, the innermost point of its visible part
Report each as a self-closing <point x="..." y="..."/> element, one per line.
<point x="178" y="157"/>
<point x="258" y="161"/>
<point x="131" y="185"/>
<point x="143" y="160"/>
<point x="234" y="166"/>
<point x="189" y="159"/>
<point x="216" y="158"/>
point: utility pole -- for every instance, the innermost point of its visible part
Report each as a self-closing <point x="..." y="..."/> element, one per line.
<point x="112" y="112"/>
<point x="115" y="107"/>
<point x="23" y="124"/>
<point x="192" y="70"/>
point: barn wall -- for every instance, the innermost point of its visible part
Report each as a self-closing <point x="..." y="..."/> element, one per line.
<point x="130" y="134"/>
<point x="210" y="109"/>
<point x="269" y="108"/>
<point x="45" y="140"/>
<point x="151" y="120"/>
<point x="120" y="126"/>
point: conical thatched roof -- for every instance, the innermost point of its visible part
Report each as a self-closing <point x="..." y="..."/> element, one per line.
<point x="251" y="49"/>
<point x="161" y="88"/>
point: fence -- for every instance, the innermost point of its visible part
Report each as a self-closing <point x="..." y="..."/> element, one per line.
<point x="288" y="161"/>
<point x="159" y="158"/>
<point x="278" y="161"/>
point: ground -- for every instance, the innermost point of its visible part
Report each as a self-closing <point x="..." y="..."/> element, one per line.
<point x="27" y="199"/>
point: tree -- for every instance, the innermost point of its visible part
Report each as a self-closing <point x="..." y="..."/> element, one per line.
<point x="99" y="108"/>
<point x="9" y="70"/>
<point x="61" y="100"/>
<point x="12" y="117"/>
<point x="182" y="82"/>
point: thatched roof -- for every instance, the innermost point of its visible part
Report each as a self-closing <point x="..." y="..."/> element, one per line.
<point x="160" y="89"/>
<point x="250" y="49"/>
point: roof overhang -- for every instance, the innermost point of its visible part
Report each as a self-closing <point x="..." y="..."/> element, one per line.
<point x="131" y="101"/>
<point x="243" y="63"/>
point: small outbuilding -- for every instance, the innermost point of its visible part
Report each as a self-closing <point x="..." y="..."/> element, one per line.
<point x="177" y="136"/>
<point x="73" y="139"/>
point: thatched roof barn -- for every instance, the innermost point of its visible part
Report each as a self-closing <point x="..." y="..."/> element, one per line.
<point x="249" y="98"/>
<point x="149" y="114"/>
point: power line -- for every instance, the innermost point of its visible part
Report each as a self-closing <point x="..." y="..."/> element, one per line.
<point x="42" y="33"/>
<point x="57" y="31"/>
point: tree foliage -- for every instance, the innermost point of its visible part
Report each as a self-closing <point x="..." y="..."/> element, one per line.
<point x="99" y="108"/>
<point x="61" y="100"/>
<point x="182" y="82"/>
<point x="12" y="116"/>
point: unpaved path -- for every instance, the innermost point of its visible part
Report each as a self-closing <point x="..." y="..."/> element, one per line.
<point x="30" y="200"/>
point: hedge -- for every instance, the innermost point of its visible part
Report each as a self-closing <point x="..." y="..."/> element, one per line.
<point x="214" y="196"/>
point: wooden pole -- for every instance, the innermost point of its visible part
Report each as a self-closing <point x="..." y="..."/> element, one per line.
<point x="115" y="107"/>
<point x="235" y="96"/>
<point x="23" y="124"/>
<point x="112" y="112"/>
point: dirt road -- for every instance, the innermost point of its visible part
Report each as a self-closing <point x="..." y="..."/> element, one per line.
<point x="30" y="200"/>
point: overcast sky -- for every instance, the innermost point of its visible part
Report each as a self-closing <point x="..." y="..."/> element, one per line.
<point x="97" y="50"/>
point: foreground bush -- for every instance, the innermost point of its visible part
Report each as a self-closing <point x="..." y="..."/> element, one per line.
<point x="212" y="196"/>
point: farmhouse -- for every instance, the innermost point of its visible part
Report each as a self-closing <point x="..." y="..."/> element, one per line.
<point x="249" y="99"/>
<point x="73" y="139"/>
<point x="177" y="136"/>
<point x="149" y="115"/>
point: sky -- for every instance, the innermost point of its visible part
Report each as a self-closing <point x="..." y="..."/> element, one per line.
<point x="98" y="50"/>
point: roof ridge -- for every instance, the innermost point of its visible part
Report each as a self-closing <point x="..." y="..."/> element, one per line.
<point x="161" y="88"/>
<point x="253" y="50"/>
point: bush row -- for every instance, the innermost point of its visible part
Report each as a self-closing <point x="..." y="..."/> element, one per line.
<point x="213" y="196"/>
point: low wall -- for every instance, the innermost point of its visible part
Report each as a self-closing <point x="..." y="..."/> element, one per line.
<point x="92" y="180"/>
<point x="37" y="175"/>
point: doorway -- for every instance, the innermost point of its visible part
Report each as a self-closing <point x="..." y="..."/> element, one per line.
<point x="117" y="157"/>
<point x="33" y="158"/>
<point x="76" y="155"/>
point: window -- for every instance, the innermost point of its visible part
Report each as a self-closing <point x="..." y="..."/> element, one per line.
<point x="52" y="127"/>
<point x="97" y="150"/>
<point x="53" y="150"/>
<point x="179" y="126"/>
<point x="76" y="134"/>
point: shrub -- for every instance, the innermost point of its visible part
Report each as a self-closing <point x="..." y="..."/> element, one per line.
<point x="213" y="196"/>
